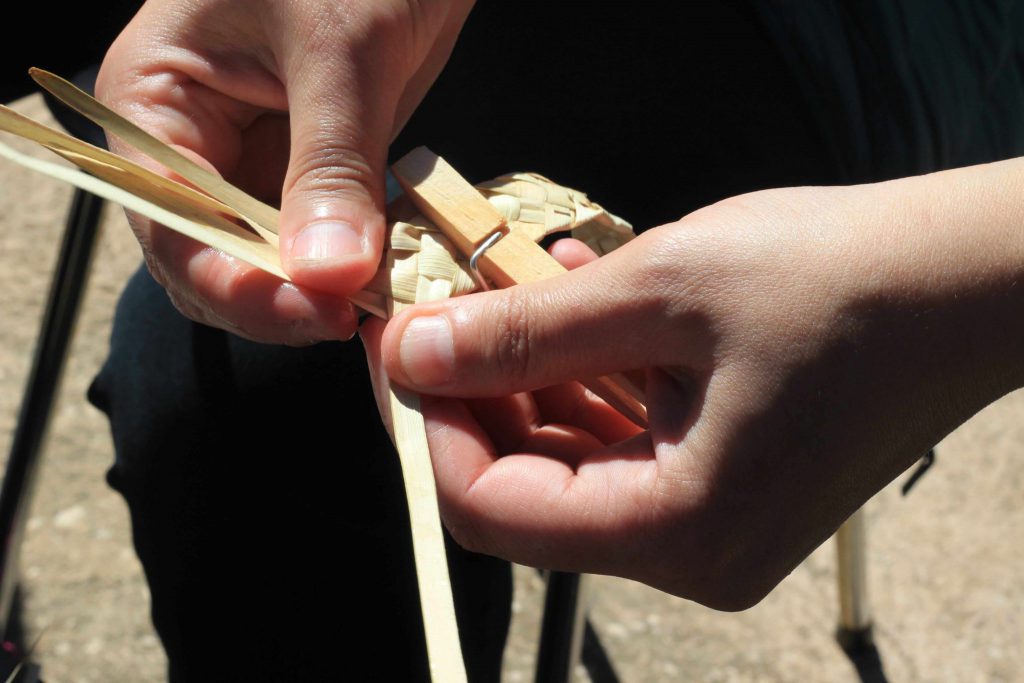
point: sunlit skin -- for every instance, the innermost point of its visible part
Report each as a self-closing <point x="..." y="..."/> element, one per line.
<point x="802" y="347"/>
<point x="274" y="97"/>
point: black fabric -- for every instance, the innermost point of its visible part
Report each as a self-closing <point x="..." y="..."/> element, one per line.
<point x="267" y="508"/>
<point x="654" y="112"/>
<point x="905" y="87"/>
<point x="62" y="37"/>
<point x="266" y="500"/>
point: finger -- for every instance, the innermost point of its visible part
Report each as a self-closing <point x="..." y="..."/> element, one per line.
<point x="222" y="291"/>
<point x="344" y="75"/>
<point x="515" y="426"/>
<point x="572" y="253"/>
<point x="507" y="420"/>
<point x="212" y="115"/>
<point x="573" y="405"/>
<point x="536" y="509"/>
<point x="370" y="333"/>
<point x="569" y="444"/>
<point x="608" y="316"/>
<point x="190" y="82"/>
<point x="510" y="422"/>
<point x="448" y="24"/>
<point x="233" y="295"/>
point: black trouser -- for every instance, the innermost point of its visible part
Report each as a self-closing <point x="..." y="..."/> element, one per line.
<point x="267" y="508"/>
<point x="266" y="499"/>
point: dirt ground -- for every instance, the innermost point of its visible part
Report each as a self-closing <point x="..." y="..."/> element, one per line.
<point x="945" y="565"/>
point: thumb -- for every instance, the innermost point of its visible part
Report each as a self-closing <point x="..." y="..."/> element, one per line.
<point x="592" y="321"/>
<point x="342" y="109"/>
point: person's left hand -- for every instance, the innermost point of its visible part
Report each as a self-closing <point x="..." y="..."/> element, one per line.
<point x="802" y="347"/>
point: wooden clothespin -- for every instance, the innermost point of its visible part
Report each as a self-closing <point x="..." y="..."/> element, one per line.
<point x="470" y="221"/>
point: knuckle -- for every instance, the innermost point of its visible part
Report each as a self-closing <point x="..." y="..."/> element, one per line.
<point x="321" y="26"/>
<point x="731" y="594"/>
<point x="728" y="583"/>
<point x="187" y="307"/>
<point x="401" y="23"/>
<point x="107" y="78"/>
<point x="720" y="574"/>
<point x="464" y="531"/>
<point x="217" y="276"/>
<point x="412" y="23"/>
<point x="368" y="31"/>
<point x="155" y="269"/>
<point x="324" y="166"/>
<point x="300" y="332"/>
<point x="128" y="83"/>
<point x="513" y="353"/>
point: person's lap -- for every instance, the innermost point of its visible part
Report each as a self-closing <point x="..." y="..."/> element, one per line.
<point x="267" y="507"/>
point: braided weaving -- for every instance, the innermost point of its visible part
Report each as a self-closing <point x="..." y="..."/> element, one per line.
<point x="421" y="264"/>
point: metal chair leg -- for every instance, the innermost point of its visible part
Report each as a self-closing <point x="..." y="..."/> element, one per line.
<point x="44" y="379"/>
<point x="854" y="630"/>
<point x="561" y="636"/>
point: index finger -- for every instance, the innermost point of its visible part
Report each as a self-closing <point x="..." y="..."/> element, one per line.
<point x="540" y="510"/>
<point x="215" y="124"/>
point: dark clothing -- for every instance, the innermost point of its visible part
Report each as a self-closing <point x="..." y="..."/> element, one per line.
<point x="908" y="86"/>
<point x="265" y="497"/>
<point x="267" y="507"/>
<point x="63" y="37"/>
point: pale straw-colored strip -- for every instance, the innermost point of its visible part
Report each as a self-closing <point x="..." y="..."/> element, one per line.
<point x="424" y="269"/>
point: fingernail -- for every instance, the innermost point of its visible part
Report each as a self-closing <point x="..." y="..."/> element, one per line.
<point x="427" y="353"/>
<point x="326" y="241"/>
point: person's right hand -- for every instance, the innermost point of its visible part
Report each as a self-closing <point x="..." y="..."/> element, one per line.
<point x="295" y="101"/>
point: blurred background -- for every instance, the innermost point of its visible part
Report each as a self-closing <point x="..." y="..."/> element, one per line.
<point x="944" y="564"/>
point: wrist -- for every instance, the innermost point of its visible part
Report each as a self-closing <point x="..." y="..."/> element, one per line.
<point x="947" y="260"/>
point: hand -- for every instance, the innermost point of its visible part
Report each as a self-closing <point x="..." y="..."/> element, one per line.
<point x="292" y="101"/>
<point x="802" y="347"/>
